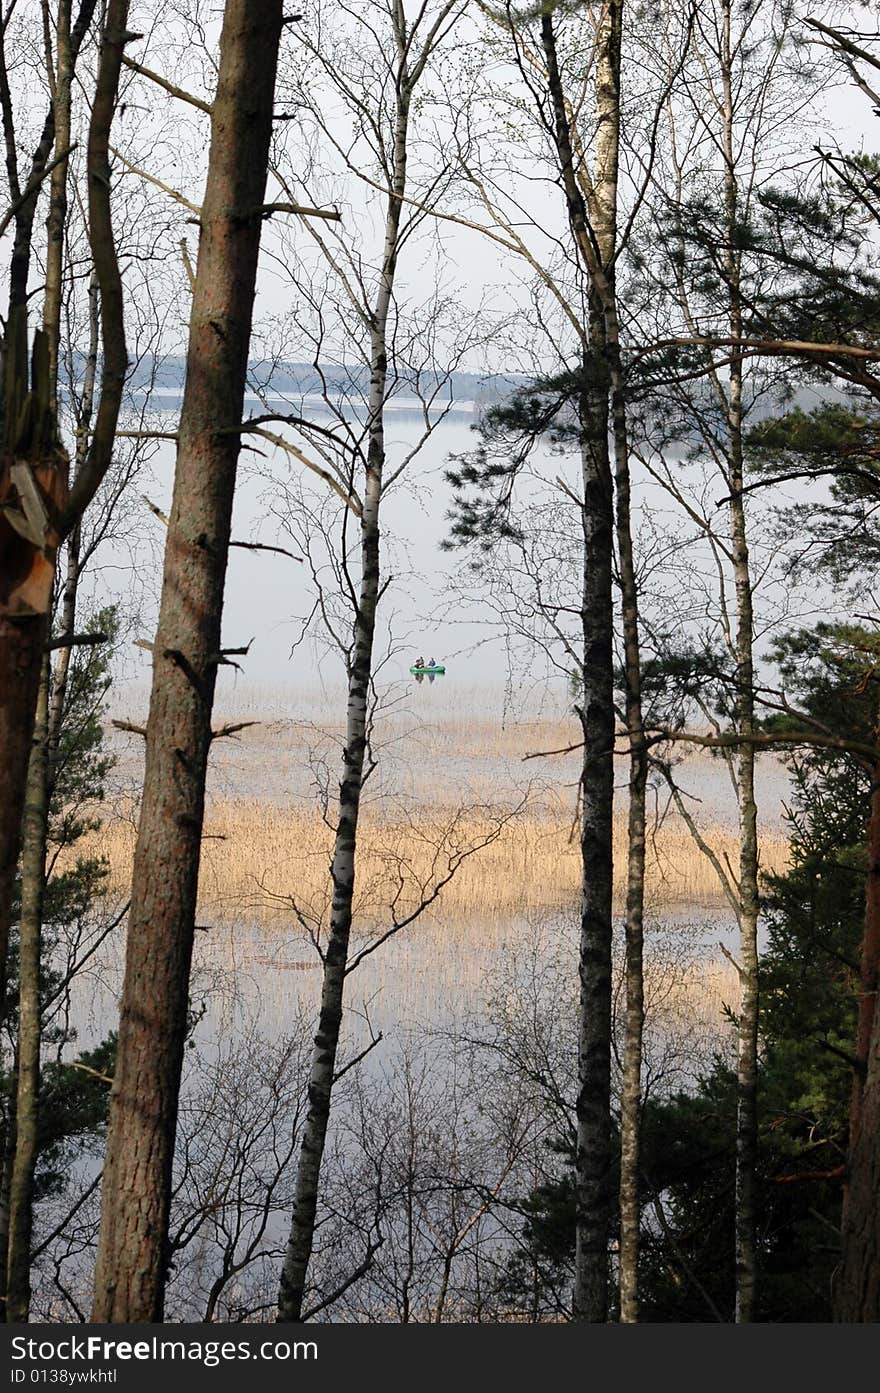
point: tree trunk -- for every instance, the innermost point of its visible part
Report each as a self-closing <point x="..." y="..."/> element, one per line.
<point x="8" y="1155"/>
<point x="22" y="641"/>
<point x="27" y="559"/>
<point x="52" y="135"/>
<point x="132" y="1252"/>
<point x="323" y="1064"/>
<point x="33" y="882"/>
<point x="35" y="839"/>
<point x="857" y="1293"/>
<point x="294" y="1270"/>
<point x="747" y="1032"/>
<point x="605" y="221"/>
<point x="65" y="56"/>
<point x="747" y="1038"/>
<point x="594" y="232"/>
<point x="593" y="1151"/>
<point x="631" y="1096"/>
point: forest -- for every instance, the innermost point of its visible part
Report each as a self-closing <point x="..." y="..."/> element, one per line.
<point x="534" y="980"/>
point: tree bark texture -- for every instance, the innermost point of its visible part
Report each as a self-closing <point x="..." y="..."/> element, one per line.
<point x="593" y="1151"/>
<point x="33" y="486"/>
<point x="747" y="1038"/>
<point x="634" y="1009"/>
<point x="746" y="1261"/>
<point x="21" y="646"/>
<point x="27" y="558"/>
<point x="33" y="882"/>
<point x="594" y="231"/>
<point x="65" y="57"/>
<point x="35" y="843"/>
<point x="53" y="133"/>
<point x="605" y="218"/>
<point x="132" y="1253"/>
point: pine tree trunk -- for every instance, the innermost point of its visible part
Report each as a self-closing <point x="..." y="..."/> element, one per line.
<point x="294" y="1272"/>
<point x="50" y="709"/>
<point x="24" y="604"/>
<point x="22" y="641"/>
<point x="35" y="841"/>
<point x="132" y="1252"/>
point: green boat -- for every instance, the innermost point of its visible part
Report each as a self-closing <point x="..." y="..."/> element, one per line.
<point x="428" y="671"/>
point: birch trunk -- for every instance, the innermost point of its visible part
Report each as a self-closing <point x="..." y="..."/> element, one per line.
<point x="747" y="1032"/>
<point x="33" y="883"/>
<point x="631" y="1095"/>
<point x="132" y="1253"/>
<point x="294" y="1270"/>
<point x="593" y="1152"/>
<point x="605" y="221"/>
<point x="747" y="1044"/>
<point x="594" y="231"/>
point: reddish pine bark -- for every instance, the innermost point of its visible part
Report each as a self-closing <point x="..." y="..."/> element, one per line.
<point x="21" y="647"/>
<point x="132" y="1254"/>
<point x="26" y="569"/>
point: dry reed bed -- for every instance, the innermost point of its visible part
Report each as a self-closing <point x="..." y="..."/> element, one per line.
<point x="259" y="856"/>
<point x="457" y="735"/>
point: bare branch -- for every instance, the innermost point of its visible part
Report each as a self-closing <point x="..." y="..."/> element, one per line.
<point x="348" y="499"/>
<point x="264" y="546"/>
<point x="31" y="187"/>
<point x="130" y="727"/>
<point x="842" y="42"/>
<point x="769" y="346"/>
<point x="232" y="729"/>
<point x="151" y="179"/>
<point x="75" y="641"/>
<point x="352" y="1063"/>
<point x="169" y="86"/>
<point x="303" y="211"/>
<point x="86" y="1069"/>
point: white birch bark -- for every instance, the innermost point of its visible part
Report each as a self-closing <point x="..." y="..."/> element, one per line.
<point x="343" y="866"/>
<point x="747" y="1032"/>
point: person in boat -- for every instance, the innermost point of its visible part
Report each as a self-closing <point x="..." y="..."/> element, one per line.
<point x="430" y="662"/>
<point x="419" y="662"/>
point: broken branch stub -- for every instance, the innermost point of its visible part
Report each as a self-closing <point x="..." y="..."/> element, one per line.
<point x="33" y="478"/>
